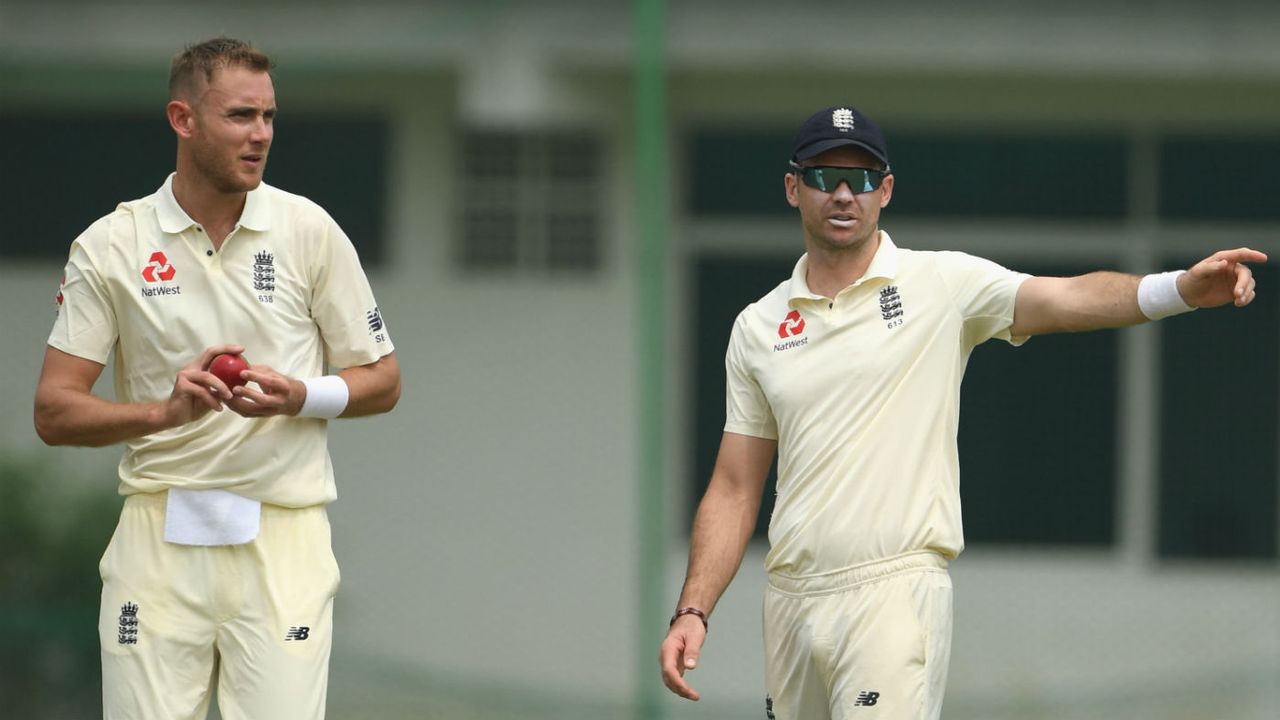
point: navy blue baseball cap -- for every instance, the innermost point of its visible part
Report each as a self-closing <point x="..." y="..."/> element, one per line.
<point x="837" y="126"/>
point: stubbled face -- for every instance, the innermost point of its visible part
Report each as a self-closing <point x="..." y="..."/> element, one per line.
<point x="841" y="220"/>
<point x="232" y="129"/>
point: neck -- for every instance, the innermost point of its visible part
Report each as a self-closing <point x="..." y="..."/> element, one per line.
<point x="217" y="212"/>
<point x="832" y="270"/>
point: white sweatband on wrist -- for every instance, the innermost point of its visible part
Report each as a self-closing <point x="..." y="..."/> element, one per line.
<point x="326" y="397"/>
<point x="1158" y="295"/>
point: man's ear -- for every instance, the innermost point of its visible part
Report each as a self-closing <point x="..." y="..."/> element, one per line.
<point x="181" y="118"/>
<point x="793" y="196"/>
<point x="886" y="186"/>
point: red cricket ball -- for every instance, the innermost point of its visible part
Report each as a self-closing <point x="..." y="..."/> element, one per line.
<point x="227" y="369"/>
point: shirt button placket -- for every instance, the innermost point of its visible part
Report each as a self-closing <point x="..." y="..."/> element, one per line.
<point x="200" y="231"/>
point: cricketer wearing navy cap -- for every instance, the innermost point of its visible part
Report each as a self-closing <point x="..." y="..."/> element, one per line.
<point x="860" y="404"/>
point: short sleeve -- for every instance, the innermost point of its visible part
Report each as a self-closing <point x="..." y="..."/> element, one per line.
<point x="747" y="410"/>
<point x="343" y="306"/>
<point x="984" y="293"/>
<point x="86" y="323"/>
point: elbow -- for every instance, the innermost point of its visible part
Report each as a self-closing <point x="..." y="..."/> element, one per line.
<point x="46" y="416"/>
<point x="380" y="402"/>
<point x="392" y="397"/>
<point x="47" y="430"/>
<point x="45" y="435"/>
<point x="54" y="425"/>
<point x="389" y="385"/>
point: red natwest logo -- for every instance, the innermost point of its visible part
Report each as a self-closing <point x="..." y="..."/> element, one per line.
<point x="792" y="326"/>
<point x="158" y="269"/>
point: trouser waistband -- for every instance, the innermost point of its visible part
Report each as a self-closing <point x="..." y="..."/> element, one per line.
<point x="858" y="574"/>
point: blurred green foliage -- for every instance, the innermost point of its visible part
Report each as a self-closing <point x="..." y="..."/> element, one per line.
<point x="50" y="544"/>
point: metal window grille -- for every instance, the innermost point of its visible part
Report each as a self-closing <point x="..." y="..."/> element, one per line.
<point x="529" y="202"/>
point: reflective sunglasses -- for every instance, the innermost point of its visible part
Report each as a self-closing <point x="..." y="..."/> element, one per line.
<point x="827" y="178"/>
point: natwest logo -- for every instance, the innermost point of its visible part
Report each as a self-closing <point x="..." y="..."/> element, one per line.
<point x="792" y="326"/>
<point x="158" y="268"/>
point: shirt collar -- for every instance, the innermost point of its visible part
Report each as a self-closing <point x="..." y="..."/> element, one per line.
<point x="884" y="264"/>
<point x="255" y="215"/>
<point x="173" y="219"/>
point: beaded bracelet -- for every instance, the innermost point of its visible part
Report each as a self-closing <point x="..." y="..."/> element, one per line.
<point x="690" y="611"/>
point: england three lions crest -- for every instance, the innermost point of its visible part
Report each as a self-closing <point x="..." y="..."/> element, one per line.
<point x="264" y="276"/>
<point x="891" y="306"/>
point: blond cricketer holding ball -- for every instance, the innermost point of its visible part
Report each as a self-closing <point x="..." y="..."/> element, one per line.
<point x="220" y="574"/>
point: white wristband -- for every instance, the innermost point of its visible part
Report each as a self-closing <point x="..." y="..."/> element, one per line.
<point x="1158" y="295"/>
<point x="326" y="397"/>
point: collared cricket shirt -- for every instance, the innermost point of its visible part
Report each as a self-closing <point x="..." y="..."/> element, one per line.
<point x="145" y="283"/>
<point x="862" y="392"/>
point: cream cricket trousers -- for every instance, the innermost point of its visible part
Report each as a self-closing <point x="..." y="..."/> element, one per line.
<point x="253" y="621"/>
<point x="872" y="641"/>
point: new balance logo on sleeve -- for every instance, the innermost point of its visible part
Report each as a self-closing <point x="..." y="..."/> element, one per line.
<point x="866" y="698"/>
<point x="298" y="632"/>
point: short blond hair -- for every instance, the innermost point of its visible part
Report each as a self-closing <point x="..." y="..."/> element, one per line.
<point x="209" y="56"/>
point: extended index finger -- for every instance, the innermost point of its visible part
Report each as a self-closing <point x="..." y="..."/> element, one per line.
<point x="1241" y="255"/>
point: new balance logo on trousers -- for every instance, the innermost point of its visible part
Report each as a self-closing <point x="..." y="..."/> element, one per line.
<point x="866" y="698"/>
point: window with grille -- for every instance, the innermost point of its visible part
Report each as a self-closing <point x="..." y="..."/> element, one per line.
<point x="529" y="201"/>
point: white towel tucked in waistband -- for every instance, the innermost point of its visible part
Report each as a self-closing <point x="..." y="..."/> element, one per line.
<point x="210" y="517"/>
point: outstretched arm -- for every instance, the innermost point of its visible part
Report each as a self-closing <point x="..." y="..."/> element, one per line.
<point x="1110" y="300"/>
<point x="726" y="517"/>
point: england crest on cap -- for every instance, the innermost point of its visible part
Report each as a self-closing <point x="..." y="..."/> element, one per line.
<point x="835" y="126"/>
<point x="842" y="119"/>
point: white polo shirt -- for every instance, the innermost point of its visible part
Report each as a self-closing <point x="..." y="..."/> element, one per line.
<point x="286" y="284"/>
<point x="863" y="395"/>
